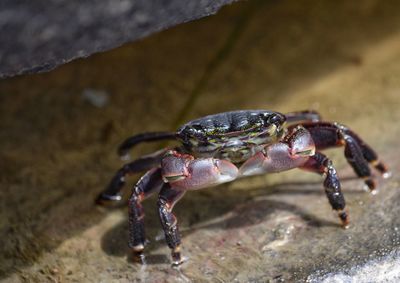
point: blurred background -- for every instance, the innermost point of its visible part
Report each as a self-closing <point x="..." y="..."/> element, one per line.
<point x="59" y="132"/>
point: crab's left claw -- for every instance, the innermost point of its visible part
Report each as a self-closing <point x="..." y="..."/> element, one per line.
<point x="185" y="173"/>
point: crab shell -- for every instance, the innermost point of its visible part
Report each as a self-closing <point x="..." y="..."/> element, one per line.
<point x="234" y="136"/>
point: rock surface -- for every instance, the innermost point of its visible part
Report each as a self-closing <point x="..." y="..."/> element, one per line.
<point x="59" y="132"/>
<point x="37" y="36"/>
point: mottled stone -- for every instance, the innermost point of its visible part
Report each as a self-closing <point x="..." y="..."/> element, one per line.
<point x="58" y="147"/>
<point x="38" y="36"/>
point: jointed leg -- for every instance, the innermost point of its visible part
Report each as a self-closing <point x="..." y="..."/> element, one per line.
<point x="319" y="163"/>
<point x="113" y="190"/>
<point x="357" y="152"/>
<point x="168" y="197"/>
<point x="183" y="172"/>
<point x="354" y="156"/>
<point x="130" y="142"/>
<point x="369" y="154"/>
<point x="148" y="184"/>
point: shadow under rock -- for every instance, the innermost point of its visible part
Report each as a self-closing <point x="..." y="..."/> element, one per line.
<point x="235" y="209"/>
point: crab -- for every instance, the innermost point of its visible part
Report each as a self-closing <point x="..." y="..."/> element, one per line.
<point x="223" y="147"/>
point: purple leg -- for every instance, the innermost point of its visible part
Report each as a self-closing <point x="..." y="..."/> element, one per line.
<point x="168" y="197"/>
<point x="368" y="153"/>
<point x="150" y="182"/>
<point x="182" y="172"/>
<point x="357" y="152"/>
<point x="321" y="164"/>
<point x="298" y="150"/>
<point x="130" y="142"/>
<point x="113" y="191"/>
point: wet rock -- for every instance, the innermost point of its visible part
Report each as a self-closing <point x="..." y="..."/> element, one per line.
<point x="382" y="268"/>
<point x="98" y="98"/>
<point x="58" y="150"/>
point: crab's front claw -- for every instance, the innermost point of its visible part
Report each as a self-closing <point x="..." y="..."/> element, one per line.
<point x="186" y="173"/>
<point x="224" y="171"/>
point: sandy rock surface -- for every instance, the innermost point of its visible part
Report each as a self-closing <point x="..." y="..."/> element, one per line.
<point x="59" y="132"/>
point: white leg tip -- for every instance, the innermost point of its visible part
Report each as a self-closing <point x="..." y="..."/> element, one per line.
<point x="125" y="157"/>
<point x="387" y="175"/>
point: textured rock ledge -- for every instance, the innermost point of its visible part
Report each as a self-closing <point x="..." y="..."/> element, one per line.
<point x="59" y="132"/>
<point x="38" y="36"/>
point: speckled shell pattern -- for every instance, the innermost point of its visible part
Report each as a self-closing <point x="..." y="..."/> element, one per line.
<point x="234" y="135"/>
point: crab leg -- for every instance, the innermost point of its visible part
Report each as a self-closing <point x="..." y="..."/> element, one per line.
<point x="297" y="150"/>
<point x="368" y="153"/>
<point x="144" y="137"/>
<point x="321" y="164"/>
<point x="148" y="184"/>
<point x="113" y="190"/>
<point x="306" y="115"/>
<point x="168" y="197"/>
<point x="354" y="156"/>
<point x="183" y="172"/>
<point x="357" y="152"/>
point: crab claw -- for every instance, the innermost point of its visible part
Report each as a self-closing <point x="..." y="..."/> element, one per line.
<point x="226" y="170"/>
<point x="188" y="173"/>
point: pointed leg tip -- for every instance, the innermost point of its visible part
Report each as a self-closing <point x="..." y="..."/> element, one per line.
<point x="177" y="258"/>
<point x="370" y="185"/>
<point x="374" y="192"/>
<point x="370" y="182"/>
<point x="344" y="218"/>
<point x="382" y="168"/>
<point x="108" y="200"/>
<point x="125" y="156"/>
<point x="387" y="174"/>
<point x="138" y="256"/>
<point x="141" y="259"/>
<point x="346" y="226"/>
<point x="178" y="262"/>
